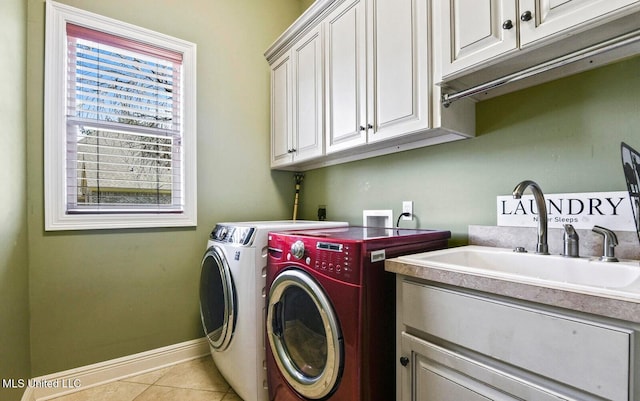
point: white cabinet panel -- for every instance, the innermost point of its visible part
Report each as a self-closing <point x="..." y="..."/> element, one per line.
<point x="345" y="77"/>
<point x="476" y="30"/>
<point x="394" y="54"/>
<point x="481" y="33"/>
<point x="386" y="94"/>
<point x="307" y="97"/>
<point x="432" y="387"/>
<point x="434" y="373"/>
<point x="550" y="17"/>
<point x="281" y="118"/>
<point x="373" y="61"/>
<point x="586" y="355"/>
<point x="399" y="71"/>
<point x="297" y="102"/>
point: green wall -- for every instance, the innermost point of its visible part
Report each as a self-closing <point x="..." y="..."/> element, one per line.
<point x="14" y="273"/>
<point x="98" y="295"/>
<point x="69" y="299"/>
<point x="304" y="4"/>
<point x="565" y="135"/>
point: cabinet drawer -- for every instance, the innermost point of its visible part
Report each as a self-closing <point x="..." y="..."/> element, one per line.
<point x="589" y="356"/>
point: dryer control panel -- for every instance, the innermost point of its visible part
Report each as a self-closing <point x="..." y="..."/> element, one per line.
<point x="338" y="260"/>
<point x="335" y="259"/>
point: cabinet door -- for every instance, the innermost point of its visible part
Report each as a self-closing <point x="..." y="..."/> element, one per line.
<point x="583" y="354"/>
<point x="307" y="97"/>
<point x="281" y="116"/>
<point x="398" y="68"/>
<point x="549" y="17"/>
<point x="345" y="33"/>
<point x="434" y="373"/>
<point x="475" y="31"/>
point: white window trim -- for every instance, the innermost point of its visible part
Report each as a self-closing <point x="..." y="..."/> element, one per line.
<point x="56" y="217"/>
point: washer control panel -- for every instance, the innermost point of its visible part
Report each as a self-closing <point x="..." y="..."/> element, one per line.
<point x="233" y="234"/>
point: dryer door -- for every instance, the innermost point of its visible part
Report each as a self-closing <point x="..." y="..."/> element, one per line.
<point x="304" y="334"/>
<point x="217" y="299"/>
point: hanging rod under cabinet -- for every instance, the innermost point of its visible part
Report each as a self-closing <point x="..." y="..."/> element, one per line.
<point x="592" y="51"/>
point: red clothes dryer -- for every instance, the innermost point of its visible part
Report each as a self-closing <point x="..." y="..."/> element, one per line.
<point x="331" y="311"/>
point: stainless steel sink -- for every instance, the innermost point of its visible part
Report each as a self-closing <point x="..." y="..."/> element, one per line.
<point x="584" y="274"/>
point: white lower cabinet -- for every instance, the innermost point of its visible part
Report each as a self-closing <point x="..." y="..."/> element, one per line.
<point x="456" y="345"/>
<point x="434" y="373"/>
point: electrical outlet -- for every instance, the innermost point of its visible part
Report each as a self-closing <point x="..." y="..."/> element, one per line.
<point x="407" y="207"/>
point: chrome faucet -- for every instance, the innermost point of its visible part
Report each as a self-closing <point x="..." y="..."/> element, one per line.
<point x="542" y="247"/>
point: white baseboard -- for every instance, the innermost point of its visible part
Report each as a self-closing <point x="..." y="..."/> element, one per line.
<point x="69" y="381"/>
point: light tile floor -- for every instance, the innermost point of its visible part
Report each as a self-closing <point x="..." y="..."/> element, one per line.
<point x="196" y="380"/>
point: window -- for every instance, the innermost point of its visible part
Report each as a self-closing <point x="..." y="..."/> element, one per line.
<point x="119" y="124"/>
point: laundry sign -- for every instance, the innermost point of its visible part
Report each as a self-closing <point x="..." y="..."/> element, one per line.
<point x="582" y="210"/>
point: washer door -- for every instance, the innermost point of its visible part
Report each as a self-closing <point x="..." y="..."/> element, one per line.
<point x="304" y="335"/>
<point x="217" y="299"/>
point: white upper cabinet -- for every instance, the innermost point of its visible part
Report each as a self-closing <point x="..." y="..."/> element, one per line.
<point x="377" y="76"/>
<point x="346" y="76"/>
<point x="353" y="79"/>
<point x="481" y="33"/>
<point x="307" y="97"/>
<point x="296" y="102"/>
<point x="398" y="68"/>
<point x="544" y="18"/>
<point x="479" y="30"/>
<point x="281" y="112"/>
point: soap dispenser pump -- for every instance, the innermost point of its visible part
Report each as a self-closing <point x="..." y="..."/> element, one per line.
<point x="571" y="242"/>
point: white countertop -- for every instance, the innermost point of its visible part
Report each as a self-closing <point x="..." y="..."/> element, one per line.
<point x="602" y="305"/>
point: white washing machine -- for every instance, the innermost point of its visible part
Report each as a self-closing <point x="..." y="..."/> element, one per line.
<point x="232" y="299"/>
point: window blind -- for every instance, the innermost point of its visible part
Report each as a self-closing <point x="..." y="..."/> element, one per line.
<point x="123" y="125"/>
